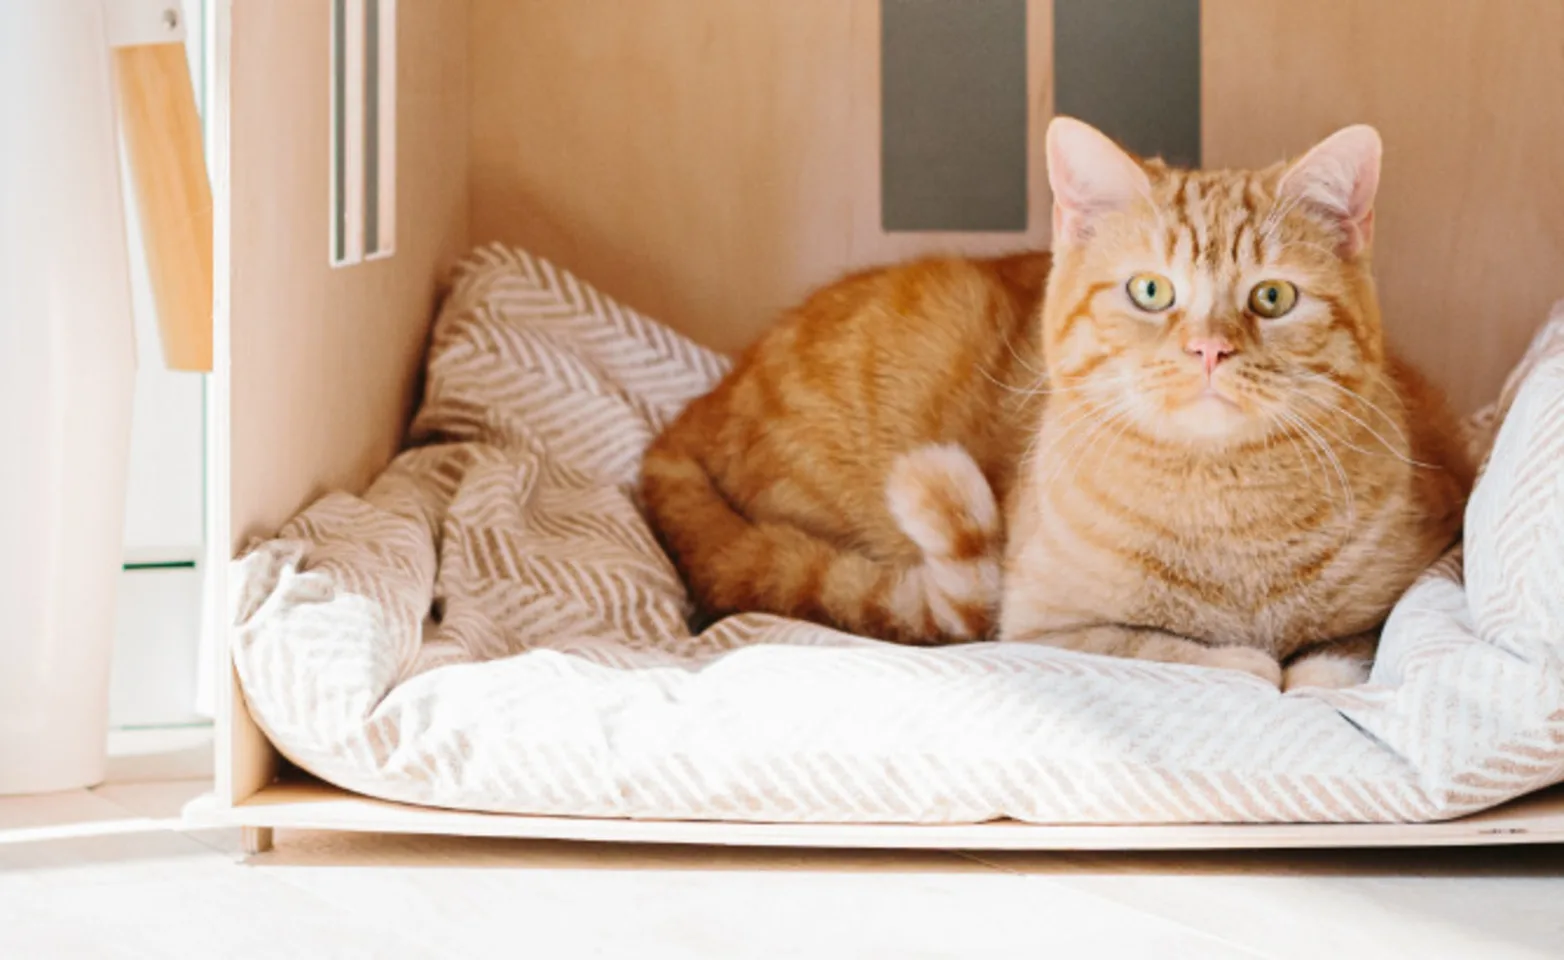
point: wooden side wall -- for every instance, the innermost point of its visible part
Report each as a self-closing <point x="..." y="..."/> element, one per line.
<point x="321" y="363"/>
<point x="325" y="360"/>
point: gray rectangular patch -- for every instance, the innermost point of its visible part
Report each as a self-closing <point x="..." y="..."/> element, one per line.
<point x="953" y="109"/>
<point x="1131" y="68"/>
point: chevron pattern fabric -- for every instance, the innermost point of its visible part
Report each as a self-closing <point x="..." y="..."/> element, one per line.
<point x="491" y="626"/>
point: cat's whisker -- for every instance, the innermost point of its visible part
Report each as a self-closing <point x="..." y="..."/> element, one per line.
<point x="1325" y="430"/>
<point x="1029" y="457"/>
<point x="1072" y="417"/>
<point x="1336" y="436"/>
<point x="1085" y="443"/>
<point x="1118" y="411"/>
<point x="1089" y="419"/>
<point x="1278" y="216"/>
<point x="1273" y="401"/>
<point x="1010" y="345"/>
<point x="1341" y="472"/>
<point x="1292" y="440"/>
<point x="1360" y="398"/>
<point x="1023" y="391"/>
<point x="1293" y="434"/>
<point x="1127" y="421"/>
<point x="1032" y="454"/>
<point x="1396" y="454"/>
<point x="1336" y="409"/>
<point x="1278" y="212"/>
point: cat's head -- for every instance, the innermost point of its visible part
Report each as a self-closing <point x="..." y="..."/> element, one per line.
<point x="1211" y="306"/>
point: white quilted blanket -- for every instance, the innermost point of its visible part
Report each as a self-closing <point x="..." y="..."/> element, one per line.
<point x="492" y="626"/>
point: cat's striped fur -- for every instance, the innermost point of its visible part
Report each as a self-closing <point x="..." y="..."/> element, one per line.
<point x="1195" y="483"/>
<point x="781" y="489"/>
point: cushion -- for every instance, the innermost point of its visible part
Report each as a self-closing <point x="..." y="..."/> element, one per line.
<point x="491" y="626"/>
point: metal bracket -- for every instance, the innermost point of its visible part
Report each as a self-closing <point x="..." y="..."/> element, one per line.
<point x="136" y="23"/>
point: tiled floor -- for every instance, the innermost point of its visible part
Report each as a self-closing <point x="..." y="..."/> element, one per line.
<point x="111" y="873"/>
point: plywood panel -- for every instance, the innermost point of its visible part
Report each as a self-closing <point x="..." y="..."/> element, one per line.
<point x="324" y="361"/>
<point x="1470" y="224"/>
<point x="311" y="805"/>
<point x="315" y="368"/>
<point x="706" y="162"/>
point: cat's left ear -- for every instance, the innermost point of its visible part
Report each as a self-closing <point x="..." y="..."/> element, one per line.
<point x="1339" y="178"/>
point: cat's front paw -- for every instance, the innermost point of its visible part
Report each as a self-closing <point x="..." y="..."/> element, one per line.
<point x="1327" y="671"/>
<point x="1254" y="662"/>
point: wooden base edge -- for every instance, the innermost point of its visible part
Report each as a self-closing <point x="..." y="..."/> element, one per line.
<point x="316" y="806"/>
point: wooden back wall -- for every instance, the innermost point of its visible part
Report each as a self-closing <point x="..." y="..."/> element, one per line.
<point x="705" y="161"/>
<point x="1469" y="97"/>
<point x="709" y="161"/>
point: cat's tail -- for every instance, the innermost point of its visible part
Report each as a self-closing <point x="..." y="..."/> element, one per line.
<point x="938" y="497"/>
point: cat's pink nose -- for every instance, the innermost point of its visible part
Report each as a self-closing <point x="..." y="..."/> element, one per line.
<point x="1212" y="350"/>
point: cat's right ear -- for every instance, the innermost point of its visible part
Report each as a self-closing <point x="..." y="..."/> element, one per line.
<point x="1339" y="178"/>
<point x="1090" y="175"/>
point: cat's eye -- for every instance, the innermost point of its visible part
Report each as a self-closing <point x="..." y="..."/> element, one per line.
<point x="1272" y="298"/>
<point x="1151" y="292"/>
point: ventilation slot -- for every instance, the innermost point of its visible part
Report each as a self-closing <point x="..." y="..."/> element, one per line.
<point x="363" y="130"/>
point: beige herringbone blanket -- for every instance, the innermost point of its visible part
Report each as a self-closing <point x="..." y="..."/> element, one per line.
<point x="492" y="626"/>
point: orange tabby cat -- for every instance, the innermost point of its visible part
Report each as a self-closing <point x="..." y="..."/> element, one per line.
<point x="1203" y="452"/>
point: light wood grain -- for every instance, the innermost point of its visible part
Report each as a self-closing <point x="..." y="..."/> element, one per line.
<point x="707" y="163"/>
<point x="318" y="367"/>
<point x="256" y="840"/>
<point x="244" y="760"/>
<point x="315" y="806"/>
<point x="325" y="362"/>
<point x="1470" y="223"/>
<point x="162" y="134"/>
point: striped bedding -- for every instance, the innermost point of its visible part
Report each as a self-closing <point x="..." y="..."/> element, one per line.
<point x="491" y="626"/>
